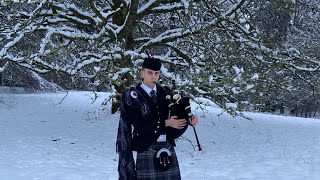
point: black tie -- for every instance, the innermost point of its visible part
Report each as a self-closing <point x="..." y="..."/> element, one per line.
<point x="153" y="95"/>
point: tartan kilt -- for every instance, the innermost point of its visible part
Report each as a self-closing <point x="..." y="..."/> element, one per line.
<point x="145" y="164"/>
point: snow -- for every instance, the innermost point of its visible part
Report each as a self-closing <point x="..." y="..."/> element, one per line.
<point x="3" y="67"/>
<point x="46" y="85"/>
<point x="255" y="76"/>
<point x="119" y="73"/>
<point x="83" y="21"/>
<point x="167" y="35"/>
<point x="185" y="4"/>
<point x="293" y="50"/>
<point x="249" y="86"/>
<point x="203" y="103"/>
<point x="200" y="91"/>
<point x="5" y="48"/>
<point x="235" y="90"/>
<point x="49" y="137"/>
<point x="146" y="6"/>
<point x="234" y="7"/>
<point x="169" y="7"/>
<point x="44" y="41"/>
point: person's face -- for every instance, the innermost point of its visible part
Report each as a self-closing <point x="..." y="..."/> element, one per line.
<point x="150" y="77"/>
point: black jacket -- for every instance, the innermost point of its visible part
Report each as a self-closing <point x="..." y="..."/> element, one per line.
<point x="147" y="118"/>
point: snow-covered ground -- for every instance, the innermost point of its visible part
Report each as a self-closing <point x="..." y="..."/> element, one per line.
<point x="43" y="139"/>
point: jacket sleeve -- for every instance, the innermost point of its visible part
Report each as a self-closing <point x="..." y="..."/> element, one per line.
<point x="126" y="165"/>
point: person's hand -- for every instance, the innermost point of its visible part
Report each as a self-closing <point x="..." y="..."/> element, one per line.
<point x="194" y="120"/>
<point x="176" y="123"/>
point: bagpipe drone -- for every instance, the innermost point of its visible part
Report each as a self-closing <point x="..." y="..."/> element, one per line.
<point x="179" y="105"/>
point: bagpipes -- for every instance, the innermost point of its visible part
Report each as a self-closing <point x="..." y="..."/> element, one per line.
<point x="179" y="105"/>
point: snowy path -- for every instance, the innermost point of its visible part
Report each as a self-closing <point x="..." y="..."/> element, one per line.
<point x="41" y="140"/>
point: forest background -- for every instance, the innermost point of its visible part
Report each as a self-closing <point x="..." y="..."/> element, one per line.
<point x="243" y="55"/>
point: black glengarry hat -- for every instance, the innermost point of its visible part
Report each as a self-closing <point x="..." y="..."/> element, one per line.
<point x="152" y="63"/>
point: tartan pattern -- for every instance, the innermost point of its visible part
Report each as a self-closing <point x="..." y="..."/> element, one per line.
<point x="145" y="164"/>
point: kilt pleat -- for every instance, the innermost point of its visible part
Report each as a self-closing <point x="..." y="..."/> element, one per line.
<point x="145" y="164"/>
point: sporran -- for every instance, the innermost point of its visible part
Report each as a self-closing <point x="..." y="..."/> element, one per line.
<point x="163" y="159"/>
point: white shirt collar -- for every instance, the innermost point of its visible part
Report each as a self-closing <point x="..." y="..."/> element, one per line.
<point x="147" y="89"/>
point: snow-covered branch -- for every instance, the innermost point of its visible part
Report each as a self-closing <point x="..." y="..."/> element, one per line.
<point x="4" y="67"/>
